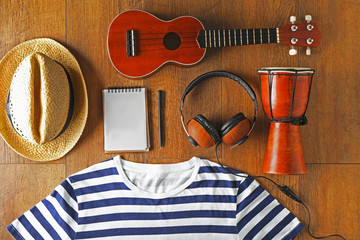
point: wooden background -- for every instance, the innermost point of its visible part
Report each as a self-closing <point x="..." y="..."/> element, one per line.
<point x="331" y="140"/>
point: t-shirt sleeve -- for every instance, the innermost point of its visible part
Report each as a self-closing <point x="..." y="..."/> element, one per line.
<point x="260" y="216"/>
<point x="55" y="217"/>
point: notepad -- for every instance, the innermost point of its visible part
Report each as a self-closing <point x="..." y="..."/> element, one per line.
<point x="125" y="120"/>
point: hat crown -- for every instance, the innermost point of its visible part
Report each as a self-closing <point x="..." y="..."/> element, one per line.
<point x="39" y="98"/>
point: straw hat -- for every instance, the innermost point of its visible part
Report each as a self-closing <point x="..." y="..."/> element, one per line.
<point x="43" y="100"/>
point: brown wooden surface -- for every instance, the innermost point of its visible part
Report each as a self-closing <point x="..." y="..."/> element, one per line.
<point x="330" y="141"/>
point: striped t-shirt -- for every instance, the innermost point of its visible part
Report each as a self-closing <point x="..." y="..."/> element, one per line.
<point x="118" y="199"/>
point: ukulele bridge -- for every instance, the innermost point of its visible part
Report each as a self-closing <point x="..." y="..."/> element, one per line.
<point x="130" y="43"/>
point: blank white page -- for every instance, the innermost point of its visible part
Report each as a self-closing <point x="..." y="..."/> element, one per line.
<point x="125" y="120"/>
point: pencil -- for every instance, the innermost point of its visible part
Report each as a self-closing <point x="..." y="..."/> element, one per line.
<point x="160" y="96"/>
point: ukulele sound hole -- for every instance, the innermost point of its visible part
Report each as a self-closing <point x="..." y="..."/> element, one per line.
<point x="172" y="41"/>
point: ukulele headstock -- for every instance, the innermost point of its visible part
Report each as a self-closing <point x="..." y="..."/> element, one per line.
<point x="303" y="35"/>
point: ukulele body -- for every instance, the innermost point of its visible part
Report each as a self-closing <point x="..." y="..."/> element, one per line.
<point x="140" y="43"/>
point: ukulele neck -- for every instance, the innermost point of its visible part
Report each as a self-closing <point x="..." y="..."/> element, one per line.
<point x="236" y="37"/>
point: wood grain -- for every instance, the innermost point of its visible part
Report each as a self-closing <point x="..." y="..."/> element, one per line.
<point x="174" y="79"/>
<point x="24" y="20"/>
<point x="87" y="41"/>
<point x="244" y="61"/>
<point x="150" y="33"/>
<point x="24" y="185"/>
<point x="330" y="187"/>
<point x="331" y="191"/>
<point x="333" y="113"/>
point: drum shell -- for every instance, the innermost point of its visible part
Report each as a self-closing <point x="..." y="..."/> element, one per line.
<point x="284" y="154"/>
<point x="288" y="94"/>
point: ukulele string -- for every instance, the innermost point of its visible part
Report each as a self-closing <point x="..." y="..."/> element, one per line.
<point x="194" y="37"/>
<point x="196" y="47"/>
<point x="160" y="44"/>
<point x="150" y="44"/>
<point x="165" y="32"/>
<point x="159" y="38"/>
<point x="182" y="47"/>
<point x="148" y="33"/>
<point x="226" y="30"/>
<point x="299" y="38"/>
<point x="192" y="42"/>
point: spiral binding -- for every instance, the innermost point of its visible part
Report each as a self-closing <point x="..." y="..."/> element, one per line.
<point x="124" y="90"/>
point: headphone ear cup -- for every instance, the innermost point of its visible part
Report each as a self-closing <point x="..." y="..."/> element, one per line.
<point x="202" y="132"/>
<point x="193" y="142"/>
<point x="235" y="129"/>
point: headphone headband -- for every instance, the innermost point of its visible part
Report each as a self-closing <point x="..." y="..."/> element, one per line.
<point x="232" y="76"/>
<point x="208" y="75"/>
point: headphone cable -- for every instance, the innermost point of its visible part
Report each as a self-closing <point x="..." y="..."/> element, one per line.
<point x="285" y="189"/>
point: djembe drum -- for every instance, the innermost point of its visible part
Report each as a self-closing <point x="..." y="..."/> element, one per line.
<point x="285" y="95"/>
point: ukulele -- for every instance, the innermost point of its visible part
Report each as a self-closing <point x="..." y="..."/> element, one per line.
<point x="140" y="43"/>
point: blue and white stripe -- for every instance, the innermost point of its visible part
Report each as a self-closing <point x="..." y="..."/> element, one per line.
<point x="207" y="202"/>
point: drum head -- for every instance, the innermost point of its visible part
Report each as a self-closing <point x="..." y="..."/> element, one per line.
<point x="285" y="92"/>
<point x="285" y="70"/>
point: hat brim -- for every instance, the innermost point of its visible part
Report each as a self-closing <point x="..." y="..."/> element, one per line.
<point x="58" y="147"/>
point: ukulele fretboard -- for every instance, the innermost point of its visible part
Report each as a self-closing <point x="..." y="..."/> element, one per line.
<point x="236" y="37"/>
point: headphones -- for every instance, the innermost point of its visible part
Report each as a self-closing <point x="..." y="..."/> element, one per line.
<point x="234" y="131"/>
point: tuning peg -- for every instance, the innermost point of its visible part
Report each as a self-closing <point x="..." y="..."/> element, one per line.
<point x="308" y="51"/>
<point x="294" y="40"/>
<point x="308" y="18"/>
<point x="292" y="51"/>
<point x="292" y="19"/>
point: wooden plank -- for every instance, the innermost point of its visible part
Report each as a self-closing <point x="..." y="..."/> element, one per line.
<point x="87" y="39"/>
<point x="331" y="192"/>
<point x="333" y="99"/>
<point x="204" y="99"/>
<point x="244" y="61"/>
<point x="333" y="111"/>
<point x="25" y="20"/>
<point x="24" y="185"/>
